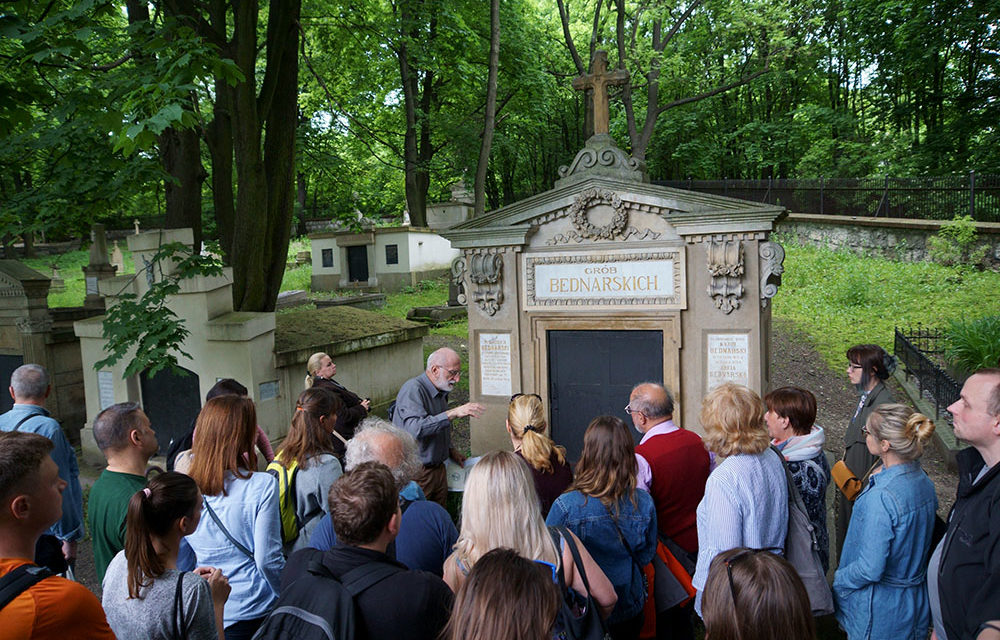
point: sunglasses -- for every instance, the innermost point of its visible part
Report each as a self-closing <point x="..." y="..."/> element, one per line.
<point x="530" y="395"/>
<point x="729" y="562"/>
<point x="552" y="568"/>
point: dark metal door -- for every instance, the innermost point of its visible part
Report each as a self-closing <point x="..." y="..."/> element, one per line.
<point x="172" y="402"/>
<point x="591" y="373"/>
<point x="357" y="263"/>
<point x="7" y="366"/>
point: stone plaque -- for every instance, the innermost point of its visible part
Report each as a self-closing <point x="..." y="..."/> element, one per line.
<point x="652" y="279"/>
<point x="105" y="389"/>
<point x="494" y="364"/>
<point x="92" y="287"/>
<point x="268" y="390"/>
<point x="728" y="359"/>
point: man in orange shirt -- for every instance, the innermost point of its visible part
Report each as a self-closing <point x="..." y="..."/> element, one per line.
<point x="30" y="501"/>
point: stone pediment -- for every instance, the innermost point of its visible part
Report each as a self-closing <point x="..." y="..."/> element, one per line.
<point x="17" y="279"/>
<point x="602" y="209"/>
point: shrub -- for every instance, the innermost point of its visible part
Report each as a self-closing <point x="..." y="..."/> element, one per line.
<point x="973" y="344"/>
<point x="955" y="243"/>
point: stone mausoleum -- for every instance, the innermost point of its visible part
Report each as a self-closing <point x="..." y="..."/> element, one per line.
<point x="581" y="292"/>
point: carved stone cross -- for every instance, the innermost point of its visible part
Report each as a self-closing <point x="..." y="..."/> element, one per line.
<point x="598" y="80"/>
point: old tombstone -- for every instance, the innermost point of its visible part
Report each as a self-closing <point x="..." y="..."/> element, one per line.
<point x="605" y="281"/>
<point x="136" y="224"/>
<point x="118" y="259"/>
<point x="98" y="268"/>
<point x="57" y="285"/>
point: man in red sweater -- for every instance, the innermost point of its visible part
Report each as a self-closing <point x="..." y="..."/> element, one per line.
<point x="673" y="468"/>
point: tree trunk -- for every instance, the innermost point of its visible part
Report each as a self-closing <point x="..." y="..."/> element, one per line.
<point x="180" y="155"/>
<point x="491" y="109"/>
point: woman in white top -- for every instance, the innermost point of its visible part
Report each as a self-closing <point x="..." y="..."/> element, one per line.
<point x="500" y="509"/>
<point x="746" y="496"/>
<point x="145" y="596"/>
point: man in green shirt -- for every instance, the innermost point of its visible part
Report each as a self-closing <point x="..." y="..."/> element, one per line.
<point x="127" y="440"/>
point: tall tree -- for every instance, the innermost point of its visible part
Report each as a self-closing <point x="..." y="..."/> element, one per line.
<point x="491" y="108"/>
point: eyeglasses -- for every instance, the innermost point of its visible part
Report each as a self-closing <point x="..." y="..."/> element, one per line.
<point x="629" y="410"/>
<point x="853" y="367"/>
<point x="552" y="567"/>
<point x="729" y="562"/>
<point x="452" y="373"/>
<point x="530" y="395"/>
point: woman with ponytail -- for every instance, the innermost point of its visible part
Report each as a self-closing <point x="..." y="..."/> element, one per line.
<point x="145" y="596"/>
<point x="320" y="370"/>
<point x="529" y="434"/>
<point x="880" y="587"/>
<point x="309" y="448"/>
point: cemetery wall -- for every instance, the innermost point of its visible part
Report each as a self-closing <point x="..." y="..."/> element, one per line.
<point x="893" y="238"/>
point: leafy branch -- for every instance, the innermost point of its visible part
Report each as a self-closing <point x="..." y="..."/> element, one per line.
<point x="147" y="324"/>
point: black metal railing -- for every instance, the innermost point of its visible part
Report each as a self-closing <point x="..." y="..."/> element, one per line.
<point x="915" y="348"/>
<point x="921" y="198"/>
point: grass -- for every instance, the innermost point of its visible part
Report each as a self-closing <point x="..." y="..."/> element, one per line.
<point x="70" y="267"/>
<point x="840" y="299"/>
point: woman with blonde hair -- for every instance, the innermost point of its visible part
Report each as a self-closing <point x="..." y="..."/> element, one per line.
<point x="320" y="370"/>
<point x="498" y="511"/>
<point x="746" y="496"/>
<point x="883" y="568"/>
<point x="240" y="531"/>
<point x="505" y="596"/>
<point x="752" y="594"/>
<point x="309" y="448"/>
<point x="529" y="434"/>
<point x="615" y="521"/>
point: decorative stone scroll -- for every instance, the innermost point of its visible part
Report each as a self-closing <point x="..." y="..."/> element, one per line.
<point x="772" y="258"/>
<point x="600" y="156"/>
<point x="486" y="276"/>
<point x="725" y="264"/>
<point x="458" y="267"/>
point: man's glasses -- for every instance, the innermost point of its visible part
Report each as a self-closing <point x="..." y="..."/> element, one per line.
<point x="629" y="410"/>
<point x="729" y="562"/>
<point x="452" y="373"/>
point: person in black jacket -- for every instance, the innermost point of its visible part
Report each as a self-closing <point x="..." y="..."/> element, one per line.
<point x="320" y="370"/>
<point x="963" y="577"/>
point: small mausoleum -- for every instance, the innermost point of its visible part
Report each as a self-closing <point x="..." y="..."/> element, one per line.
<point x="605" y="281"/>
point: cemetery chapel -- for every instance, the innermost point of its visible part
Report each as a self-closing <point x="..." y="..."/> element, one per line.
<point x="605" y="281"/>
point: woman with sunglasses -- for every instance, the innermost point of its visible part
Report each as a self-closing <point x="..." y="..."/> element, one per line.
<point x="746" y="496"/>
<point x="529" y="434"/>
<point x="498" y="511"/>
<point x="868" y="367"/>
<point x="881" y="585"/>
<point x="753" y="594"/>
<point x="615" y="521"/>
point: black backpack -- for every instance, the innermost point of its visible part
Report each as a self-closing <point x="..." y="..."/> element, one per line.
<point x="319" y="606"/>
<point x="20" y="580"/>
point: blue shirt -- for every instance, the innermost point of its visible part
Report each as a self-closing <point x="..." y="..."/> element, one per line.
<point x="249" y="510"/>
<point x="745" y="505"/>
<point x="881" y="586"/>
<point x="421" y="410"/>
<point x="426" y="533"/>
<point x="70" y="526"/>
<point x="592" y="522"/>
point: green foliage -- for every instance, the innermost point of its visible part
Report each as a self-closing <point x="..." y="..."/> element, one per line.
<point x="146" y="326"/>
<point x="955" y="243"/>
<point x="973" y="344"/>
<point x="840" y="299"/>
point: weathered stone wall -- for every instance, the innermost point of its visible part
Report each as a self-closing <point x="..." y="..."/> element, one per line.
<point x="893" y="238"/>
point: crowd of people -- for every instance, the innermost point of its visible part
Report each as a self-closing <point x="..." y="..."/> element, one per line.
<point x="346" y="533"/>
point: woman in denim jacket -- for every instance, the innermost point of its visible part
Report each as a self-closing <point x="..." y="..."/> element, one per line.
<point x="881" y="585"/>
<point x="613" y="519"/>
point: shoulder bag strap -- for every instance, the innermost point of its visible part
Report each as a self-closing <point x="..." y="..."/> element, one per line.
<point x="577" y="560"/>
<point x="17" y="426"/>
<point x="180" y="628"/>
<point x="225" y="531"/>
<point x="20" y="580"/>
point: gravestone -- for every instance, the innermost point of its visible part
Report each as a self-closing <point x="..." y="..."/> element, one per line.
<point x="98" y="268"/>
<point x="580" y="292"/>
<point x="118" y="259"/>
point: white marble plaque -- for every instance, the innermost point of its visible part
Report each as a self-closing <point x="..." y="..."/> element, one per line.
<point x="92" y="287"/>
<point x="105" y="389"/>
<point x="604" y="280"/>
<point x="728" y="359"/>
<point x="494" y="364"/>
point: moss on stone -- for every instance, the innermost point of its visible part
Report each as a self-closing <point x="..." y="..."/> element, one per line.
<point x="306" y="328"/>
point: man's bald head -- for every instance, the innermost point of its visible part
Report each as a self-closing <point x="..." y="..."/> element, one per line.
<point x="652" y="400"/>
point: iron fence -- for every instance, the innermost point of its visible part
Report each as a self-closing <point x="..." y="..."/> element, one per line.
<point x="915" y="348"/>
<point x="922" y="198"/>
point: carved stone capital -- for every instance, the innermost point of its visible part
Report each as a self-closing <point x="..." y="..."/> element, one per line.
<point x="772" y="258"/>
<point x="725" y="264"/>
<point x="485" y="269"/>
<point x="34" y="325"/>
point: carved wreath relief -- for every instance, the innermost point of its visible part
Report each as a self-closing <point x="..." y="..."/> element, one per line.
<point x="617" y="229"/>
<point x="725" y="264"/>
